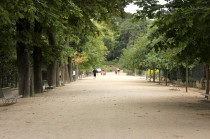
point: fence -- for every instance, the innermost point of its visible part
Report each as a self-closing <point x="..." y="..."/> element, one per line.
<point x="196" y="76"/>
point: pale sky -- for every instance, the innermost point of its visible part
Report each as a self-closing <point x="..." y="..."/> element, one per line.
<point x="132" y="8"/>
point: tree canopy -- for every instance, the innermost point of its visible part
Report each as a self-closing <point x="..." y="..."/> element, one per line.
<point x="183" y="23"/>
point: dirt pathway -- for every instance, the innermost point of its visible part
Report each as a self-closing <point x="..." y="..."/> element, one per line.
<point x="110" y="107"/>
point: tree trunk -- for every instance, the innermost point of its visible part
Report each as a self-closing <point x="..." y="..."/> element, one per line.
<point x="66" y="73"/>
<point x="159" y="76"/>
<point x="16" y="80"/>
<point x="37" y="57"/>
<point x="23" y="59"/>
<point x="207" y="82"/>
<point x="7" y="80"/>
<point x="150" y="76"/>
<point x="32" y="84"/>
<point x="146" y="74"/>
<point x="186" y="76"/>
<point x="57" y="75"/>
<point x="77" y="70"/>
<point x="134" y="71"/>
<point x="154" y="75"/>
<point x="62" y="72"/>
<point x="51" y="74"/>
<point x="51" y="71"/>
<point x="166" y="77"/>
<point x="70" y="69"/>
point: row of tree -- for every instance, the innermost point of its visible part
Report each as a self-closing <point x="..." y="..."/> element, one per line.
<point x="50" y="34"/>
<point x="179" y="35"/>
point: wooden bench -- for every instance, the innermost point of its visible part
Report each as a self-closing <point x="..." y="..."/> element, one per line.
<point x="46" y="85"/>
<point x="7" y="96"/>
<point x="206" y="95"/>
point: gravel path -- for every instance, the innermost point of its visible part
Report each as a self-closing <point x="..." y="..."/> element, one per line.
<point x="109" y="107"/>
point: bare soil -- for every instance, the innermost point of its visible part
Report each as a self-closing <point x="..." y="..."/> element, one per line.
<point x="109" y="107"/>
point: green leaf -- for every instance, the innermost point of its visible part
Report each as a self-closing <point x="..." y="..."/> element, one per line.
<point x="20" y="15"/>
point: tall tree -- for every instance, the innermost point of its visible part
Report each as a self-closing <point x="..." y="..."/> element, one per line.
<point x="184" y="23"/>
<point x="23" y="58"/>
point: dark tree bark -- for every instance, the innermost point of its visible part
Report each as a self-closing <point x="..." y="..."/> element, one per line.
<point x="207" y="82"/>
<point x="186" y="76"/>
<point x="23" y="69"/>
<point x="159" y="76"/>
<point x="32" y="84"/>
<point x="16" y="80"/>
<point x="51" y="70"/>
<point x="37" y="57"/>
<point x="146" y="74"/>
<point x="23" y="59"/>
<point x="62" y="72"/>
<point x="51" y="74"/>
<point x="70" y="69"/>
<point x="57" y="75"/>
<point x="154" y="75"/>
<point x="150" y="76"/>
<point x="166" y="77"/>
<point x="66" y="73"/>
<point x="77" y="71"/>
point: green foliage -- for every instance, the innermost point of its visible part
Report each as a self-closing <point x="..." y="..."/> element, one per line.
<point x="113" y="62"/>
<point x="105" y="68"/>
<point x="202" y="83"/>
<point x="152" y="72"/>
<point x="183" y="24"/>
<point x="127" y="37"/>
<point x="95" y="50"/>
<point x="93" y="47"/>
<point x="68" y="20"/>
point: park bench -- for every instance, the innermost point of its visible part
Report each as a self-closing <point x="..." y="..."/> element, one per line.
<point x="176" y="85"/>
<point x="47" y="85"/>
<point x="61" y="82"/>
<point x="7" y="96"/>
<point x="206" y="95"/>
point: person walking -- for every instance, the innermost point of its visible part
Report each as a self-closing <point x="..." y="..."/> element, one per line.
<point x="118" y="72"/>
<point x="94" y="73"/>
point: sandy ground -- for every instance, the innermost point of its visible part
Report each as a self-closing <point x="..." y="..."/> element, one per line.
<point x="109" y="107"/>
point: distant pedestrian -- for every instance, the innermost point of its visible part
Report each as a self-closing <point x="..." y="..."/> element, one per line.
<point x="103" y="72"/>
<point x="94" y="73"/>
<point x="118" y="71"/>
